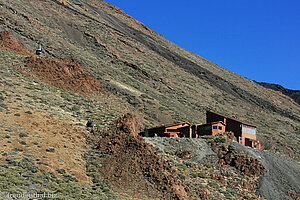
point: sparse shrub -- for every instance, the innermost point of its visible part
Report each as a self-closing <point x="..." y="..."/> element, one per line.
<point x="69" y="178"/>
<point x="22" y="134"/>
<point x="200" y="174"/>
<point x="23" y="142"/>
<point x="170" y="153"/>
<point x="17" y="149"/>
<point x="91" y="168"/>
<point x="105" y="189"/>
<point x="214" y="185"/>
<point x="52" y="175"/>
<point x="220" y="139"/>
<point x="194" y="175"/>
<point x="75" y="108"/>
<point x="231" y="147"/>
<point x="18" y="114"/>
<point x="28" y="112"/>
<point x="50" y="150"/>
<point x="227" y="194"/>
<point x="208" y="165"/>
<point x="181" y="176"/>
<point x="42" y="163"/>
<point x="7" y="136"/>
<point x="181" y="166"/>
<point x="61" y="171"/>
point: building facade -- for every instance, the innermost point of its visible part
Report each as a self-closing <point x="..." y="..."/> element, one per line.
<point x="216" y="124"/>
<point x="245" y="133"/>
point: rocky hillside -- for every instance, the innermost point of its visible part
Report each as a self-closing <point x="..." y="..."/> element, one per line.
<point x="99" y="64"/>
<point x="161" y="81"/>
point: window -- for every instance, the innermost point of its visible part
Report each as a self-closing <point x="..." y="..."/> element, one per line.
<point x="249" y="129"/>
<point x="220" y="127"/>
<point x="215" y="127"/>
<point x="171" y="130"/>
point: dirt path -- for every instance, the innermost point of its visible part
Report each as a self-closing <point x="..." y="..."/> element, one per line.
<point x="283" y="174"/>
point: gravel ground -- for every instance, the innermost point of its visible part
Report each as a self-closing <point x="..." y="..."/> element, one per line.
<point x="283" y="173"/>
<point x="196" y="145"/>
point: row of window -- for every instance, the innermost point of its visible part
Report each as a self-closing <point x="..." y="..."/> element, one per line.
<point x="216" y="127"/>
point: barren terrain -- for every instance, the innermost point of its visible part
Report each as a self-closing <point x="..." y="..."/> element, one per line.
<point x="100" y="64"/>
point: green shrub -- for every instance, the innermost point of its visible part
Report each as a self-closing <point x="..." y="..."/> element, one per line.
<point x="220" y="139"/>
<point x="200" y="174"/>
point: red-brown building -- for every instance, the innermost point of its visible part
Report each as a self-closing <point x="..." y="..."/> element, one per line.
<point x="245" y="133"/>
<point x="212" y="128"/>
<point x="168" y="130"/>
<point x="215" y="124"/>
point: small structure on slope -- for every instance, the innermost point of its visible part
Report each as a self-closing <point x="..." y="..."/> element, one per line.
<point x="216" y="124"/>
<point x="245" y="133"/>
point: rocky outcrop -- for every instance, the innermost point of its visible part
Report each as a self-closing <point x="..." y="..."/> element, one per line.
<point x="63" y="73"/>
<point x="244" y="163"/>
<point x="9" y="43"/>
<point x="130" y="162"/>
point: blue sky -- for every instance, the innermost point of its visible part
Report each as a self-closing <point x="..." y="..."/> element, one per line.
<point x="258" y="39"/>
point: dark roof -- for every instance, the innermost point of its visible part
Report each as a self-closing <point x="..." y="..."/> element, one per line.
<point x="170" y="125"/>
<point x="212" y="123"/>
<point x="232" y="118"/>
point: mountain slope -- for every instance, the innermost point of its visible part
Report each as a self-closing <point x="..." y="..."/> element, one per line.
<point x="98" y="64"/>
<point x="158" y="78"/>
<point x="294" y="94"/>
